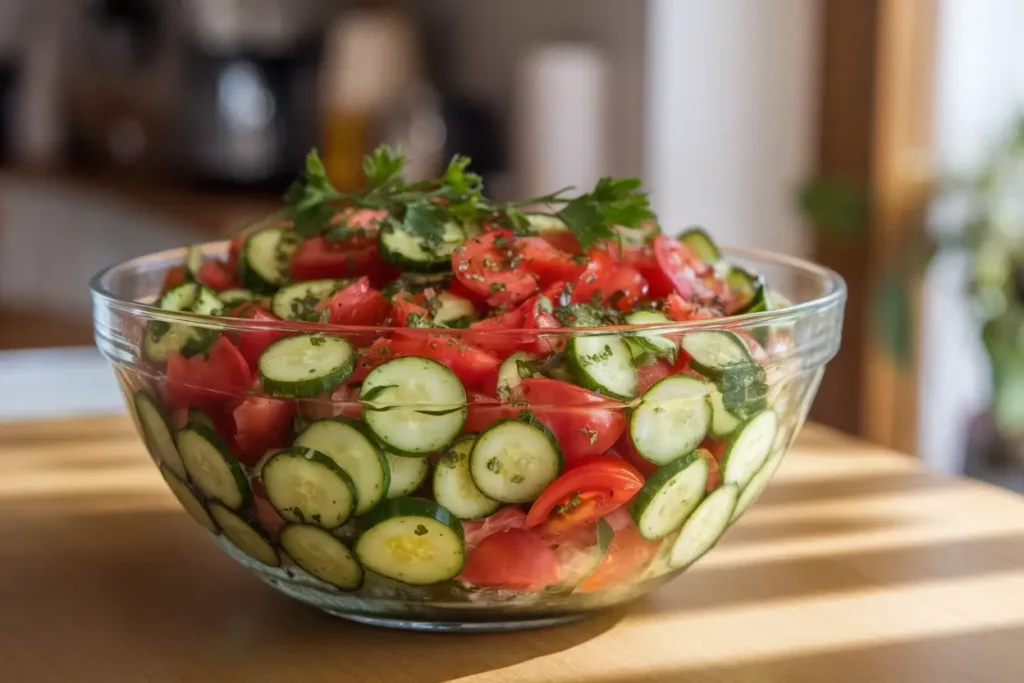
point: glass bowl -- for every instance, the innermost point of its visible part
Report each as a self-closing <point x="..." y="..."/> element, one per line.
<point x="218" y="438"/>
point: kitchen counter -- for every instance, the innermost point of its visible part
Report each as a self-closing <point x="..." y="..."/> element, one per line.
<point x="856" y="566"/>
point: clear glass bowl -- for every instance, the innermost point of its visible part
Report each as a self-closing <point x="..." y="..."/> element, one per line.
<point x="792" y="344"/>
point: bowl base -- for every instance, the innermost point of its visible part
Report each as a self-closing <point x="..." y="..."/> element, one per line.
<point x="459" y="626"/>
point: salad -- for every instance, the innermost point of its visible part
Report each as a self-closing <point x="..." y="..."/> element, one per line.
<point x="434" y="389"/>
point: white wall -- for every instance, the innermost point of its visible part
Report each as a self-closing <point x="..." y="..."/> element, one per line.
<point x="980" y="91"/>
<point x="730" y="111"/>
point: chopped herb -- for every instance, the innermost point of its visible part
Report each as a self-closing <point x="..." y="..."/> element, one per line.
<point x="494" y="466"/>
<point x="317" y="340"/>
<point x="420" y="530"/>
<point x="590" y="433"/>
<point x="497" y="287"/>
<point x="518" y="479"/>
<point x="568" y="506"/>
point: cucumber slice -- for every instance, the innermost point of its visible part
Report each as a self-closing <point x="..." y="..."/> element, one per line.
<point x="322" y="555"/>
<point x="265" y="258"/>
<point x="452" y="310"/>
<point x="716" y="352"/>
<point x="348" y="443"/>
<point x="518" y="366"/>
<point x="604" y="364"/>
<point x="649" y="342"/>
<point x="307" y="486"/>
<point x="413" y="405"/>
<point x="701" y="244"/>
<point x="749" y="288"/>
<point x="194" y="261"/>
<point x="453" y="483"/>
<point x="415" y="253"/>
<point x="723" y="423"/>
<point x="757" y="484"/>
<point x="672" y="419"/>
<point x="193" y="506"/>
<point x="669" y="496"/>
<point x="235" y="297"/>
<point x="197" y="416"/>
<point x="213" y="469"/>
<point x="514" y="461"/>
<point x="704" y="527"/>
<point x="163" y="338"/>
<point x="305" y="365"/>
<point x="157" y="434"/>
<point x="412" y="540"/>
<point x="299" y="301"/>
<point x="247" y="537"/>
<point x="407" y="474"/>
<point x="749" y="448"/>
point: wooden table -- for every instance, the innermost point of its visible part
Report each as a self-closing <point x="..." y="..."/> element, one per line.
<point x="856" y="566"/>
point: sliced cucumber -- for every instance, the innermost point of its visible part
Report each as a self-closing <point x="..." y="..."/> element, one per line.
<point x="322" y="555"/>
<point x="417" y="253"/>
<point x="412" y="540"/>
<point x="407" y="474"/>
<point x="672" y="419"/>
<point x="413" y="405"/>
<point x="265" y="259"/>
<point x="193" y="506"/>
<point x="723" y="423"/>
<point x="299" y="301"/>
<point x="157" y="434"/>
<point x="247" y="537"/>
<point x="603" y="363"/>
<point x="701" y="244"/>
<point x="704" y="527"/>
<point x="748" y="288"/>
<point x="163" y="338"/>
<point x="514" y="369"/>
<point x="350" y="446"/>
<point x="235" y="297"/>
<point x="513" y="461"/>
<point x="650" y="342"/>
<point x="452" y="310"/>
<point x="757" y="484"/>
<point x="453" y="484"/>
<point x="194" y="261"/>
<point x="305" y="365"/>
<point x="749" y="448"/>
<point x="309" y="487"/>
<point x="716" y="352"/>
<point x="214" y="471"/>
<point x="669" y="496"/>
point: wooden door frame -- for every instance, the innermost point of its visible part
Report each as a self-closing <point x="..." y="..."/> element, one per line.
<point x="876" y="130"/>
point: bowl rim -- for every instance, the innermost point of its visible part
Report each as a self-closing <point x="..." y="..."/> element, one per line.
<point x="834" y="295"/>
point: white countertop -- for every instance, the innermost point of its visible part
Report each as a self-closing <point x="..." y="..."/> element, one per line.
<point x="68" y="382"/>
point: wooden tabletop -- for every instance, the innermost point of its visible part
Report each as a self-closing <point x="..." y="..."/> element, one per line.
<point x="856" y="566"/>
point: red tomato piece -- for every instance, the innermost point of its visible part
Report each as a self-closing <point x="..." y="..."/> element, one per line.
<point x="377" y="353"/>
<point x="613" y="282"/>
<point x="693" y="279"/>
<point x="563" y="240"/>
<point x="484" y="410"/>
<point x="679" y="309"/>
<point x="364" y="225"/>
<point x="625" y="447"/>
<point x="234" y="252"/>
<point x="487" y="333"/>
<point x="266" y="516"/>
<point x="538" y="315"/>
<point x="583" y="495"/>
<point x="549" y="264"/>
<point x="219" y="379"/>
<point x="484" y="265"/>
<point x="176" y="275"/>
<point x="474" y="366"/>
<point x="627" y="553"/>
<point x="317" y="258"/>
<point x="584" y="422"/>
<point x="649" y="375"/>
<point x="406" y="305"/>
<point x="476" y="530"/>
<point x="217" y="275"/>
<point x="716" y="447"/>
<point x="642" y="258"/>
<point x="358" y="304"/>
<point x="514" y="559"/>
<point x="261" y="424"/>
<point x="254" y="340"/>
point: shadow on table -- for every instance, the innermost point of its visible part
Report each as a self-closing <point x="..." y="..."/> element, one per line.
<point x="145" y="591"/>
<point x="802" y="529"/>
<point x="982" y="656"/>
<point x="823" y="491"/>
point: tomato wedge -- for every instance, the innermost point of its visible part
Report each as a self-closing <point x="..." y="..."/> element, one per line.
<point x="175" y="275"/>
<point x="515" y="558"/>
<point x="585" y="423"/>
<point x="583" y="495"/>
<point x="317" y="258"/>
<point x="609" y="282"/>
<point x="484" y="265"/>
<point x="549" y="264"/>
<point x="253" y="341"/>
<point x="693" y="279"/>
<point x="213" y="381"/>
<point x="358" y="304"/>
<point x="626" y="554"/>
<point x="261" y="424"/>
<point x="476" y="530"/>
<point x="217" y="275"/>
<point x="649" y="375"/>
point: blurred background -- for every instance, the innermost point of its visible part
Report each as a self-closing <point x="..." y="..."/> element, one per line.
<point x="882" y="138"/>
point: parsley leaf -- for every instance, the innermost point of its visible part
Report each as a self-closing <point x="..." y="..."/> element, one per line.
<point x="592" y="216"/>
<point x="383" y="166"/>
